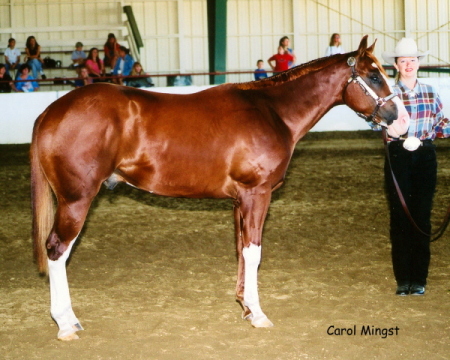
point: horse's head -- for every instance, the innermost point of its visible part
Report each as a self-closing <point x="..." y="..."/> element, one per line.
<point x="369" y="94"/>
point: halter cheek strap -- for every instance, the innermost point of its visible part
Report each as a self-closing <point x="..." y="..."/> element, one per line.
<point x="380" y="102"/>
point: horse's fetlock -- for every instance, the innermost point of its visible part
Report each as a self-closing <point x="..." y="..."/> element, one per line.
<point x="55" y="248"/>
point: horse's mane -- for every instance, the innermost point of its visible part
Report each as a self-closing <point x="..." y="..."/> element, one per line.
<point x="302" y="70"/>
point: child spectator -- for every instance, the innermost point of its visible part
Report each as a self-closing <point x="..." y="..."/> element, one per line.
<point x="281" y="60"/>
<point x="139" y="82"/>
<point x="78" y="55"/>
<point x="6" y="83"/>
<point x="26" y="86"/>
<point x="260" y="73"/>
<point x="12" y="56"/>
<point x="83" y="77"/>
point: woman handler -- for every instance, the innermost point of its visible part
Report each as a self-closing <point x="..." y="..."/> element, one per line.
<point x="414" y="165"/>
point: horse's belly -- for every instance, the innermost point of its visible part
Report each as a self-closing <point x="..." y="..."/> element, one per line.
<point x="182" y="183"/>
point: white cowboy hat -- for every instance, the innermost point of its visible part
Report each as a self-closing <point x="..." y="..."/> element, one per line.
<point x="406" y="47"/>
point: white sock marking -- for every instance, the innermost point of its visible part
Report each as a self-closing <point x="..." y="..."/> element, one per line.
<point x="252" y="258"/>
<point x="61" y="305"/>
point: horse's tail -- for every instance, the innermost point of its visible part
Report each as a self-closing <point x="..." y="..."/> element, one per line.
<point x="42" y="205"/>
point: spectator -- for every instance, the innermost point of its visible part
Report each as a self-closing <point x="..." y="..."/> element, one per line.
<point x="260" y="73"/>
<point x="12" y="56"/>
<point x="124" y="65"/>
<point x="33" y="51"/>
<point x="95" y="65"/>
<point x="6" y="83"/>
<point x="281" y="60"/>
<point x="24" y="74"/>
<point x="78" y="55"/>
<point x="111" y="48"/>
<point x="284" y="43"/>
<point x="139" y="82"/>
<point x="83" y="77"/>
<point x="335" y="46"/>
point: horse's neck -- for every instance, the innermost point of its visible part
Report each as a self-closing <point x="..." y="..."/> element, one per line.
<point x="302" y="102"/>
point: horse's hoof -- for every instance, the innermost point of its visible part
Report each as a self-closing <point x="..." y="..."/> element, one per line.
<point x="70" y="334"/>
<point x="70" y="337"/>
<point x="261" y="322"/>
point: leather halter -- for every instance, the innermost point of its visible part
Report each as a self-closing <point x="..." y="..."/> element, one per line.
<point x="380" y="102"/>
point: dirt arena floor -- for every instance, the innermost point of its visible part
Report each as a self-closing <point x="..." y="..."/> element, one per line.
<point x="154" y="277"/>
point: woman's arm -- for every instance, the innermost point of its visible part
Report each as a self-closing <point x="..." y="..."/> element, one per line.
<point x="442" y="127"/>
<point x="269" y="61"/>
<point x="38" y="52"/>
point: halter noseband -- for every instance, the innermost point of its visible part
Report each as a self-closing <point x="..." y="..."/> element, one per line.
<point x="380" y="102"/>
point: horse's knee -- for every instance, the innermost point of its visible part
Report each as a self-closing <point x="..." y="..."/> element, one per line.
<point x="55" y="247"/>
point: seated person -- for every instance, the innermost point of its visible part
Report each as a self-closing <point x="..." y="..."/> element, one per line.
<point x="111" y="49"/>
<point x="83" y="77"/>
<point x="12" y="56"/>
<point x="33" y="58"/>
<point x="124" y="65"/>
<point x="6" y="83"/>
<point x="26" y="86"/>
<point x="78" y="55"/>
<point x="95" y="65"/>
<point x="142" y="81"/>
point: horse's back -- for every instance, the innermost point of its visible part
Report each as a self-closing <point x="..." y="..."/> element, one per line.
<point x="166" y="143"/>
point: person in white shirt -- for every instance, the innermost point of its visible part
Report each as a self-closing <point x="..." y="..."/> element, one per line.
<point x="335" y="46"/>
<point x="12" y="56"/>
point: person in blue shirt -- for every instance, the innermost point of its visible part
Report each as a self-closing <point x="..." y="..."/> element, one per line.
<point x="124" y="65"/>
<point x="24" y="74"/>
<point x="78" y="55"/>
<point x="260" y="73"/>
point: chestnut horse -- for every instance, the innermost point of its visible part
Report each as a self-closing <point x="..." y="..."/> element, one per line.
<point x="231" y="141"/>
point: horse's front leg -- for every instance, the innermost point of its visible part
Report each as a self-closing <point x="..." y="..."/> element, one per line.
<point x="250" y="212"/>
<point x="61" y="305"/>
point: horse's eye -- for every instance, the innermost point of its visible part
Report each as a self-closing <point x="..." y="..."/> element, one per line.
<point x="375" y="79"/>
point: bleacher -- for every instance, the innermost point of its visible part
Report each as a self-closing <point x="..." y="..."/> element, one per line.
<point x="64" y="72"/>
<point x="61" y="50"/>
<point x="125" y="29"/>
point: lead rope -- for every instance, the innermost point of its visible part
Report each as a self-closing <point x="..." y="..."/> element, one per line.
<point x="439" y="232"/>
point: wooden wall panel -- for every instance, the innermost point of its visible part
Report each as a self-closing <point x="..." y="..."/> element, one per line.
<point x="430" y="25"/>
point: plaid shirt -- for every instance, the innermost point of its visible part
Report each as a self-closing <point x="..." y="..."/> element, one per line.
<point x="424" y="106"/>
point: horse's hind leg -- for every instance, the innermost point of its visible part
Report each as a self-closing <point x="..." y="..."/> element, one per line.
<point x="61" y="305"/>
<point x="69" y="220"/>
<point x="238" y="225"/>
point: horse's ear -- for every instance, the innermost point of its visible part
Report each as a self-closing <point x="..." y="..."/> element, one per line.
<point x="363" y="45"/>
<point x="372" y="47"/>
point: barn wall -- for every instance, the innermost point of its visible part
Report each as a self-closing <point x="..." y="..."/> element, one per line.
<point x="175" y="31"/>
